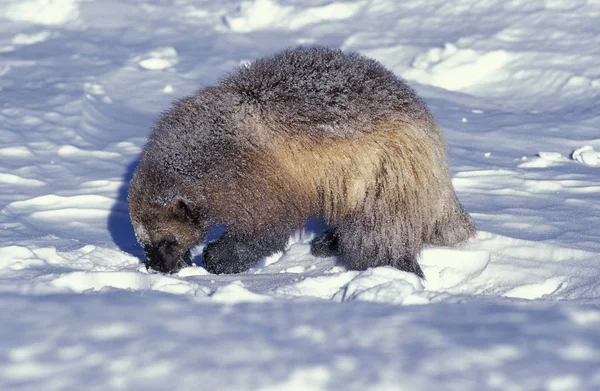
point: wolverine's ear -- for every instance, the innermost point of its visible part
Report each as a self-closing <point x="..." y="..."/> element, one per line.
<point x="184" y="209"/>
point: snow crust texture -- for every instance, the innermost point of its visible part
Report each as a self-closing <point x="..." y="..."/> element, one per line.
<point x="514" y="84"/>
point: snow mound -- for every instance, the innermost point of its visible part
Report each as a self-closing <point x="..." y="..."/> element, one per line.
<point x="587" y="155"/>
<point x="457" y="69"/>
<point x="97" y="281"/>
<point x="531" y="270"/>
<point x="382" y="284"/>
<point x="235" y="292"/>
<point x="545" y="160"/>
<point x="88" y="257"/>
<point x="158" y="59"/>
<point x="445" y="268"/>
<point x="20" y="181"/>
<point x="48" y="12"/>
<point x="256" y="15"/>
<point x="314" y="378"/>
<point x="31" y="39"/>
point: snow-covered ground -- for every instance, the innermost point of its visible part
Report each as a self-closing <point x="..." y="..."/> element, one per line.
<point x="515" y="85"/>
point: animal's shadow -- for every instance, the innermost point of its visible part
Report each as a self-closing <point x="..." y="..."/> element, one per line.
<point x="119" y="224"/>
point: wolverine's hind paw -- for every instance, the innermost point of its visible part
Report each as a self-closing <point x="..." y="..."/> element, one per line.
<point x="326" y="245"/>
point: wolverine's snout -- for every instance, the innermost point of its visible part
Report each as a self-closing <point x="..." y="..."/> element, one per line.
<point x="167" y="257"/>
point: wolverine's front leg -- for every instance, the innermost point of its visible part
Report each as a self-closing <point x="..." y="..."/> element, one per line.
<point x="234" y="254"/>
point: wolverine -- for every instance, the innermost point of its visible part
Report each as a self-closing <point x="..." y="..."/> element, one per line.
<point x="307" y="132"/>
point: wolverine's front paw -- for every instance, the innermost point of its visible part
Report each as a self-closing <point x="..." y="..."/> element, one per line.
<point x="224" y="256"/>
<point x="214" y="258"/>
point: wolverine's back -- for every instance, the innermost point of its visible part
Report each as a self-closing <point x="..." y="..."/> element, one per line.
<point x="325" y="89"/>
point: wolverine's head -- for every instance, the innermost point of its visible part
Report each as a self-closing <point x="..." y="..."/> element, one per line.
<point x="167" y="223"/>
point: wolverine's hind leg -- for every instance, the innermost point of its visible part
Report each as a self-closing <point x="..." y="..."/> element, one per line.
<point x="367" y="242"/>
<point x="235" y="253"/>
<point x="453" y="227"/>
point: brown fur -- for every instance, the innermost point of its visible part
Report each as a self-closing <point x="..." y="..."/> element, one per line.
<point x="333" y="176"/>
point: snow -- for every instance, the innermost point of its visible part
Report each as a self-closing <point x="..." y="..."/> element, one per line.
<point x="514" y="84"/>
<point x="256" y="15"/>
<point x="48" y="12"/>
<point x="587" y="155"/>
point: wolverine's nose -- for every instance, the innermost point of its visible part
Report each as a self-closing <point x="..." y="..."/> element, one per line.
<point x="166" y="257"/>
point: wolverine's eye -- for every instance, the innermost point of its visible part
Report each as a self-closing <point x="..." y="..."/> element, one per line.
<point x="186" y="210"/>
<point x="183" y="209"/>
